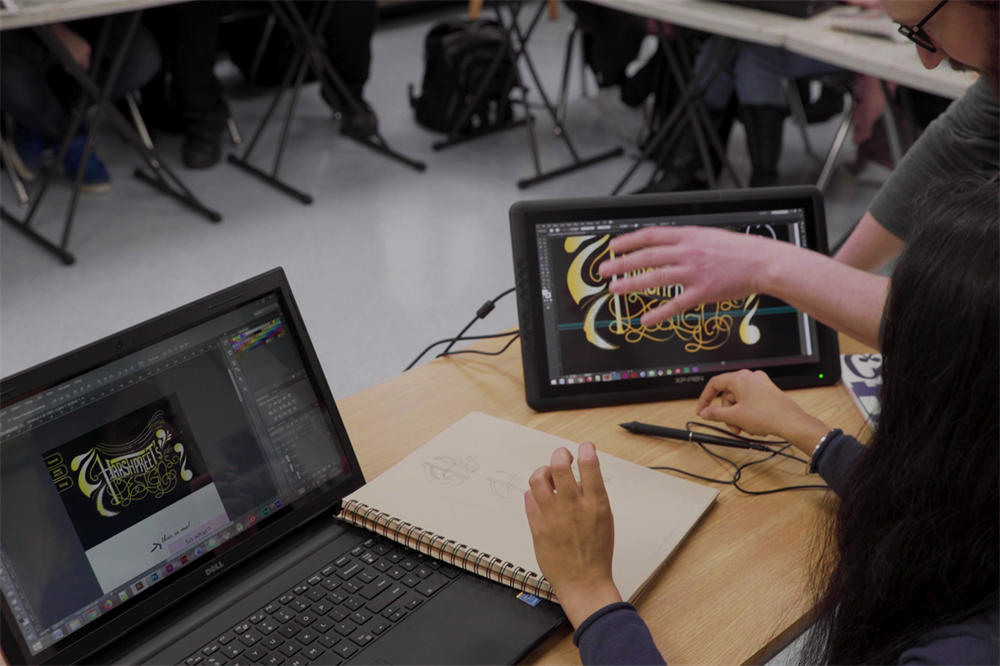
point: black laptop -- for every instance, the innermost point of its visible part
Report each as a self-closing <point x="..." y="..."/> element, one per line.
<point x="168" y="496"/>
<point x="796" y="8"/>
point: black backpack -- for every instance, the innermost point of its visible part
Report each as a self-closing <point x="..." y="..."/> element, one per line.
<point x="458" y="55"/>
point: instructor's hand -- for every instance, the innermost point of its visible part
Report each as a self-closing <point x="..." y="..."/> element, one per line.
<point x="751" y="403"/>
<point x="573" y="532"/>
<point x="712" y="265"/>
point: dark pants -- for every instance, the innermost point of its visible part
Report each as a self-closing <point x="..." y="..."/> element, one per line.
<point x="28" y="71"/>
<point x="188" y="34"/>
<point x="615" y="38"/>
<point x="348" y="38"/>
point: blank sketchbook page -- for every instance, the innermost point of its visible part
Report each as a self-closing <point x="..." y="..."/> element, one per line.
<point x="468" y="484"/>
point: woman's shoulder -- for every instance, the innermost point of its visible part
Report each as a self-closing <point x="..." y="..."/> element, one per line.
<point x="975" y="640"/>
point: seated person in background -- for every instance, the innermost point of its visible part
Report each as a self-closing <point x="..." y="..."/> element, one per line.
<point x="347" y="39"/>
<point x="910" y="569"/>
<point x="715" y="265"/>
<point x="756" y="77"/>
<point x="612" y="40"/>
<point x="187" y="97"/>
<point x="36" y="92"/>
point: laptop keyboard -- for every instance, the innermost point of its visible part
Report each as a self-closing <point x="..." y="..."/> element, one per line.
<point x="335" y="613"/>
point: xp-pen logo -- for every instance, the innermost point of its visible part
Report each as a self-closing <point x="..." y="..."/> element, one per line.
<point x="215" y="567"/>
<point x="692" y="378"/>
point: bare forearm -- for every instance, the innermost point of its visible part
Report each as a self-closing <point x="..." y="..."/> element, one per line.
<point x="869" y="246"/>
<point x="844" y="298"/>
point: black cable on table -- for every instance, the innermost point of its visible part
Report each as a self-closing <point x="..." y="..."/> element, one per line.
<point x="481" y="313"/>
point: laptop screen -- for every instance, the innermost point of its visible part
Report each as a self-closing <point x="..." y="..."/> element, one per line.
<point x="118" y="479"/>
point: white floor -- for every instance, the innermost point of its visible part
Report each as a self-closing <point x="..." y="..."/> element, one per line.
<point x="384" y="262"/>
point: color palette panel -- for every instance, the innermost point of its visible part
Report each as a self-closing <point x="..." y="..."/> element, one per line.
<point x="255" y="337"/>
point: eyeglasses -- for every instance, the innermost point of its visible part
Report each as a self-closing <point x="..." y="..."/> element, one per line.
<point x="918" y="35"/>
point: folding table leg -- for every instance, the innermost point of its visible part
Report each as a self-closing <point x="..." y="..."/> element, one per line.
<point x="520" y="52"/>
<point x="310" y="55"/>
<point x="693" y="89"/>
<point x="15" y="179"/>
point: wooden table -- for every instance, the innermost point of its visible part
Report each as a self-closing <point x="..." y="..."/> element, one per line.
<point x="736" y="591"/>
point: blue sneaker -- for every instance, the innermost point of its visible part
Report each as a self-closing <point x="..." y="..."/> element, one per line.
<point x="96" y="179"/>
<point x="27" y="148"/>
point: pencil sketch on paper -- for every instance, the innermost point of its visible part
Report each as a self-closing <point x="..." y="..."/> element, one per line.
<point x="506" y="485"/>
<point x="450" y="470"/>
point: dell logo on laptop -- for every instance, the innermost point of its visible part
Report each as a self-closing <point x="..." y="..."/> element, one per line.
<point x="215" y="567"/>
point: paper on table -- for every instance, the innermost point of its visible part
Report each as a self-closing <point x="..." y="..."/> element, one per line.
<point x="467" y="484"/>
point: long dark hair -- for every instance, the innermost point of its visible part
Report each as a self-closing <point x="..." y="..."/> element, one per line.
<point x="916" y="540"/>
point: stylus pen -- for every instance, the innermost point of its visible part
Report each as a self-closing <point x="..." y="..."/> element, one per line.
<point x="637" y="428"/>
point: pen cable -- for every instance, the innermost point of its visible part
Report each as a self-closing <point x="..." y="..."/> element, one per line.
<point x="738" y="468"/>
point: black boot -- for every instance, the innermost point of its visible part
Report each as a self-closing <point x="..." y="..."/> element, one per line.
<point x="203" y="138"/>
<point x="764" y="125"/>
<point x="361" y="123"/>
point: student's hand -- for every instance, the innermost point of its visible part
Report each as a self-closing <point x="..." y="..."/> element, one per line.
<point x="77" y="46"/>
<point x="751" y="403"/>
<point x="573" y="532"/>
<point x="712" y="264"/>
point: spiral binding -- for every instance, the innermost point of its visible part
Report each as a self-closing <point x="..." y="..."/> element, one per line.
<point x="447" y="550"/>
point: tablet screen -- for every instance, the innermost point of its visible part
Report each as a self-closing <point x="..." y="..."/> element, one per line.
<point x="595" y="336"/>
<point x="583" y="346"/>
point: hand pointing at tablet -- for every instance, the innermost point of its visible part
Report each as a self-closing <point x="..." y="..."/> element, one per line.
<point x="712" y="264"/>
<point x="716" y="264"/>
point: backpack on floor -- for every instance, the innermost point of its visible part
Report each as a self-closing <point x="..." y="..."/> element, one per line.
<point x="457" y="57"/>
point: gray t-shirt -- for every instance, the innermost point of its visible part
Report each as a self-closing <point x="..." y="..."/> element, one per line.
<point x="964" y="139"/>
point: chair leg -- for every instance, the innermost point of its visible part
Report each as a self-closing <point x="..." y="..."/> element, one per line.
<point x="22" y="194"/>
<point x="140" y="124"/>
<point x="838" y="143"/>
<point x="234" y="131"/>
<point x="799" y="114"/>
<point x="891" y="127"/>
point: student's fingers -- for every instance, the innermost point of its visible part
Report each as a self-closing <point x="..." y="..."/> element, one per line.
<point x="532" y="510"/>
<point x="658" y="277"/>
<point x="645" y="238"/>
<point x="648" y="258"/>
<point x="540" y="483"/>
<point x="716" y="385"/>
<point x="722" y="414"/>
<point x="562" y="472"/>
<point x="590" y="472"/>
<point x="682" y="302"/>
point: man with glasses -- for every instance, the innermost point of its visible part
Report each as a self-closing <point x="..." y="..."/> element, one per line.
<point x="965" y="138"/>
<point x="715" y="265"/>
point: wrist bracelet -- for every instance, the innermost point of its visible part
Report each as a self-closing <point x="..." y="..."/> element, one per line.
<point x="813" y="467"/>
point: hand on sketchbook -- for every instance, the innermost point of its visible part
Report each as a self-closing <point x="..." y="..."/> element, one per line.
<point x="573" y="532"/>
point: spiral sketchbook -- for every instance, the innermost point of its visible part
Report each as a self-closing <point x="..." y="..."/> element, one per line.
<point x="460" y="498"/>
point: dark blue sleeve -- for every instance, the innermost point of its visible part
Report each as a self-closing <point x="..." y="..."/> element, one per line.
<point x="835" y="459"/>
<point x="973" y="642"/>
<point x="616" y="635"/>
